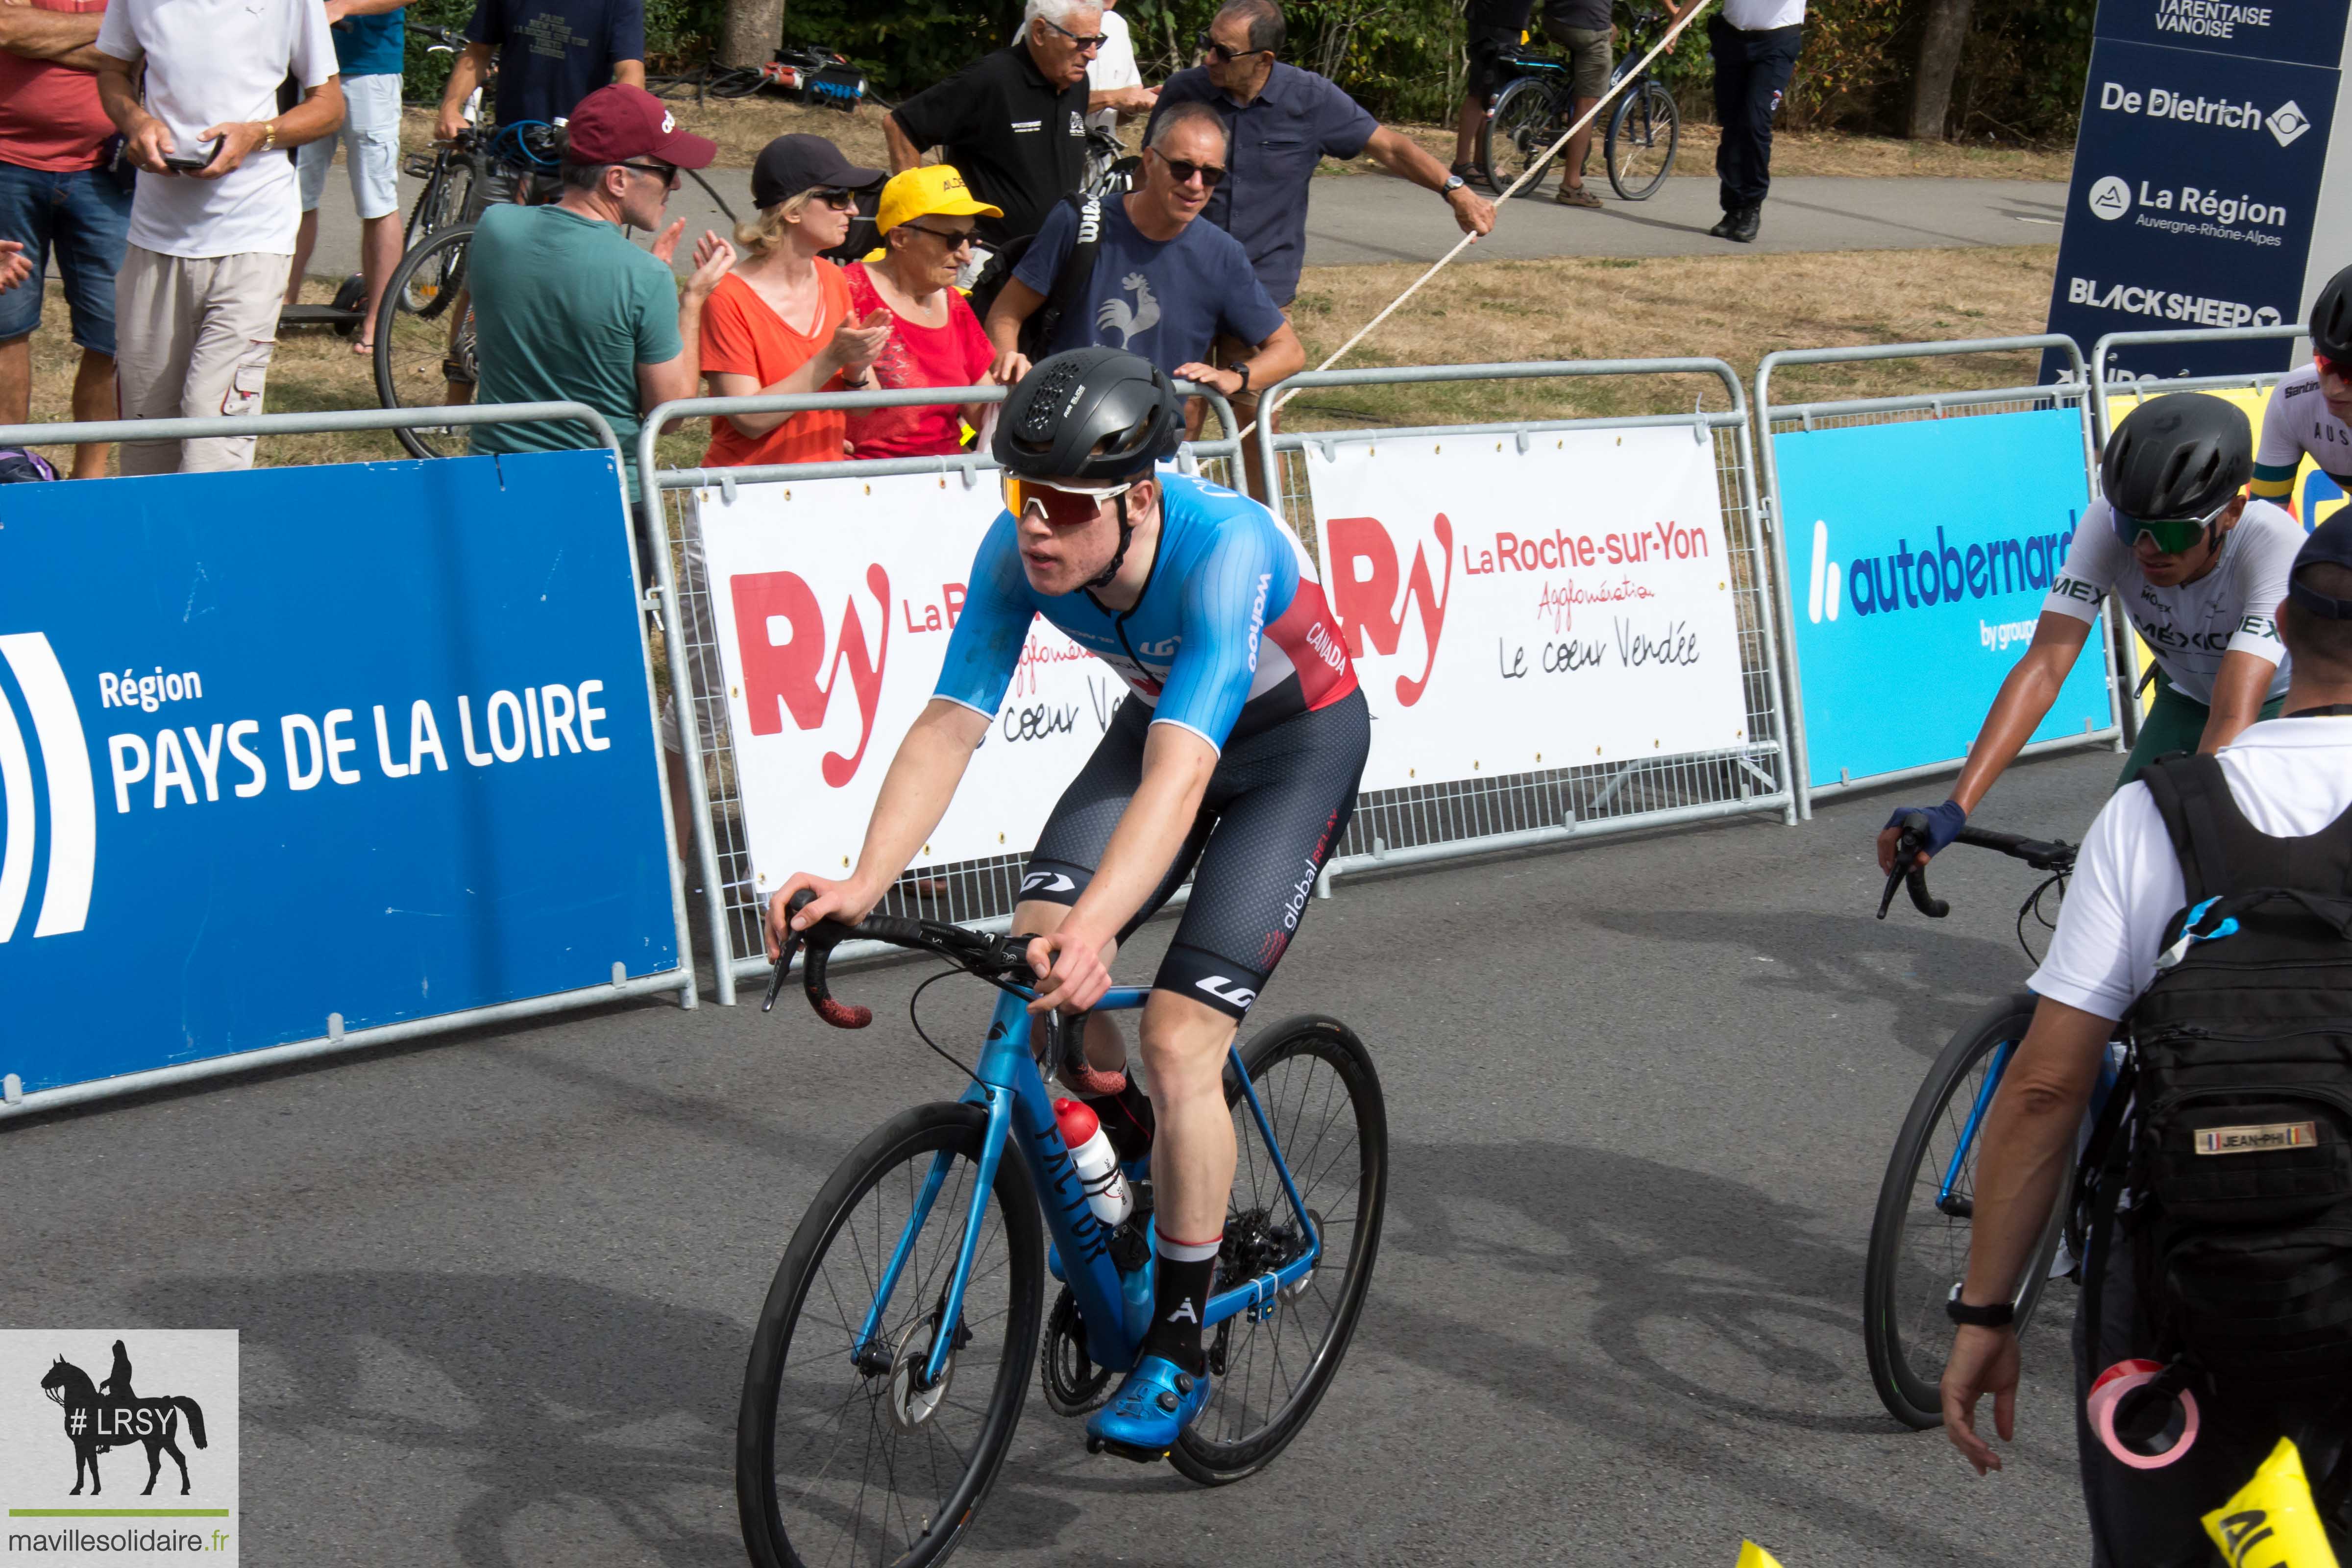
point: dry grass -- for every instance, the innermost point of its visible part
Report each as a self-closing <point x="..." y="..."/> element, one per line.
<point x="1803" y="153"/>
<point x="1735" y="308"/>
<point x="740" y="127"/>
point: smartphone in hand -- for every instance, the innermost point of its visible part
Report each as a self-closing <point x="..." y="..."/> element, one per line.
<point x="190" y="163"/>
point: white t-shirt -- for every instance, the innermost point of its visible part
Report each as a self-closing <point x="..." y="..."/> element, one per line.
<point x="1762" y="16"/>
<point x="2298" y="421"/>
<point x="2290" y="776"/>
<point x="2231" y="608"/>
<point x="209" y="62"/>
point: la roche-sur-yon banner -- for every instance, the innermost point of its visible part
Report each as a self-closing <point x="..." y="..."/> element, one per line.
<point x="833" y="601"/>
<point x="2196" y="184"/>
<point x="368" y="739"/>
<point x="1514" y="611"/>
<point x="1909" y="614"/>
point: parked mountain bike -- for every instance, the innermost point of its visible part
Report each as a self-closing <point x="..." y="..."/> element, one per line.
<point x="1535" y="109"/>
<point x="1926" y="1203"/>
<point x="891" y="1360"/>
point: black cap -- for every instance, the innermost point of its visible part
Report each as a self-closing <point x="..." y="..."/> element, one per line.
<point x="790" y="164"/>
<point x="2330" y="544"/>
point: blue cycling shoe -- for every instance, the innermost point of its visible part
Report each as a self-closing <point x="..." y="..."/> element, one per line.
<point x="1158" y="1400"/>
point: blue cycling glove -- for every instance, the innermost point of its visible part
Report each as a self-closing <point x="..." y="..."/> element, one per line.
<point x="1943" y="823"/>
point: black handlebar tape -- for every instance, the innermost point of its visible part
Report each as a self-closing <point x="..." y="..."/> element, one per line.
<point x="817" y="949"/>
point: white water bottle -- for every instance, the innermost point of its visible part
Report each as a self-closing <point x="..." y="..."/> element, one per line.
<point x="1096" y="1162"/>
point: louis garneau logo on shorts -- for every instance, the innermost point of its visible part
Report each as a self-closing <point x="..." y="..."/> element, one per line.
<point x="1046" y="882"/>
<point x="118" y="1442"/>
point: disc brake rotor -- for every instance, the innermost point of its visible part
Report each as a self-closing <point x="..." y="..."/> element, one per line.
<point x="910" y="1406"/>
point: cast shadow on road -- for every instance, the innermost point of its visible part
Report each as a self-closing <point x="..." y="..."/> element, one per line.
<point x="1669" y="1302"/>
<point x="1933" y="977"/>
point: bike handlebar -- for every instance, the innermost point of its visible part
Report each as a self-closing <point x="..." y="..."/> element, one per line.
<point x="2043" y="855"/>
<point x="976" y="953"/>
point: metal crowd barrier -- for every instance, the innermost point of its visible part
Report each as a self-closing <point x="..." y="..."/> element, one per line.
<point x="2148" y="385"/>
<point x="1772" y="418"/>
<point x="679" y="981"/>
<point x="973" y="892"/>
<point x="1420" y="824"/>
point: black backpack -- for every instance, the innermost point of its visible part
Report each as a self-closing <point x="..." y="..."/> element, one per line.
<point x="1070" y="284"/>
<point x="2240" y="1161"/>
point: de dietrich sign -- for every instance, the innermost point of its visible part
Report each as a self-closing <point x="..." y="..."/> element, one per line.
<point x="2195" y="193"/>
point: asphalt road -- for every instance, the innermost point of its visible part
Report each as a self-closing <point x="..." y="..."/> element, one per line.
<point x="1371" y="217"/>
<point x="495" y="1294"/>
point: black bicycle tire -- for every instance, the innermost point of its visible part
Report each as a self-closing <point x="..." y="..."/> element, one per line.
<point x="923" y="1129"/>
<point x="1496" y="181"/>
<point x="1911" y="1392"/>
<point x="436" y="192"/>
<point x="1653" y="93"/>
<point x="387" y="315"/>
<point x="417" y="227"/>
<point x="1219" y="1464"/>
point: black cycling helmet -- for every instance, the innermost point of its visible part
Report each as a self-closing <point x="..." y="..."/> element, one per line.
<point x="2331" y="318"/>
<point x="2173" y="458"/>
<point x="1097" y="414"/>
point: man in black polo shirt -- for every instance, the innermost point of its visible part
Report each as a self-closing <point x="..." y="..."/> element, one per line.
<point x="1013" y="121"/>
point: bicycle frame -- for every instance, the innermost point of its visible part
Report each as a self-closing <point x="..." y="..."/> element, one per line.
<point x="2001" y="1056"/>
<point x="1014" y="1094"/>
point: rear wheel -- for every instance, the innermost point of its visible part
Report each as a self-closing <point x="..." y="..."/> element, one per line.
<point x="1322" y="1097"/>
<point x="424" y="356"/>
<point x="1927" y="1207"/>
<point x="1517" y="136"/>
<point x="842" y="1454"/>
<point x="1640" y="147"/>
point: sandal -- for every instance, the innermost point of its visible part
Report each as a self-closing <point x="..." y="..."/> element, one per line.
<point x="1577" y="197"/>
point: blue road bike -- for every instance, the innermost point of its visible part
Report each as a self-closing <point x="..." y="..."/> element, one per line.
<point x="891" y="1362"/>
<point x="1926" y="1203"/>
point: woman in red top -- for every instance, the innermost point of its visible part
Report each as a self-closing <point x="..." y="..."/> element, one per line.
<point x="926" y="220"/>
<point x="781" y="322"/>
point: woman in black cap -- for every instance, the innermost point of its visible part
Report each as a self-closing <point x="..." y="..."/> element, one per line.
<point x="779" y="321"/>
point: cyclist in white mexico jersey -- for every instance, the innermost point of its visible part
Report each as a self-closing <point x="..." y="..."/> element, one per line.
<point x="2311" y="410"/>
<point x="2200" y="569"/>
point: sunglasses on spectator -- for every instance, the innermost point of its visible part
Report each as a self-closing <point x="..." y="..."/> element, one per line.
<point x="662" y="171"/>
<point x="1070" y="506"/>
<point x="1219" y="53"/>
<point x="2171" y="536"/>
<point x="948" y="237"/>
<point x="1181" y="170"/>
<point x="840" y="201"/>
<point x="1086" y="41"/>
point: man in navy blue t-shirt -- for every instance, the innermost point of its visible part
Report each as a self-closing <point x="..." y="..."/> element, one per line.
<point x="550" y="53"/>
<point x="1163" y="285"/>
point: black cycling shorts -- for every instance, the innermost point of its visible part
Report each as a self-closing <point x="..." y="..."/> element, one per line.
<point x="1276" y="806"/>
<point x="1494" y="25"/>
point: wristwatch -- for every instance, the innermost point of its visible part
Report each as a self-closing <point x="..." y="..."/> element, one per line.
<point x="1240" y="367"/>
<point x="1998" y="1316"/>
<point x="1453" y="183"/>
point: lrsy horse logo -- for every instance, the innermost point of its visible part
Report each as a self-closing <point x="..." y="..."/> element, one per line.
<point x="80" y="1409"/>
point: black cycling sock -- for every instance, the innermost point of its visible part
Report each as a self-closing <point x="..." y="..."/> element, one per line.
<point x="1126" y="1117"/>
<point x="1187" y="1272"/>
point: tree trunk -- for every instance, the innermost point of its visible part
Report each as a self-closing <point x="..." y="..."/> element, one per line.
<point x="754" y="28"/>
<point x="1940" y="41"/>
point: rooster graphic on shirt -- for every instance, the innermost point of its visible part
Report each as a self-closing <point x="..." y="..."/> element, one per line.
<point x="1129" y="321"/>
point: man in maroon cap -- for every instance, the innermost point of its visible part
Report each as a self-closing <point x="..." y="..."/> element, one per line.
<point x="567" y="309"/>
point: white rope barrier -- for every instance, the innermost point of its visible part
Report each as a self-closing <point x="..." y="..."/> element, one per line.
<point x="1535" y="171"/>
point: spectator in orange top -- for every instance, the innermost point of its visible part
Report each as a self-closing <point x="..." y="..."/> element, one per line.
<point x="926" y="218"/>
<point x="779" y="322"/>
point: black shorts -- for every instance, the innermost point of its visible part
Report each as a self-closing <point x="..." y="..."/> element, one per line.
<point x="1494" y="26"/>
<point x="1276" y="806"/>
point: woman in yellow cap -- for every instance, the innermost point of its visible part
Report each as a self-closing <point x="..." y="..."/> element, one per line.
<point x="926" y="218"/>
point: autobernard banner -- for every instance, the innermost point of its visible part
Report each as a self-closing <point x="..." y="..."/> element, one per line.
<point x="1916" y="584"/>
<point x="369" y="740"/>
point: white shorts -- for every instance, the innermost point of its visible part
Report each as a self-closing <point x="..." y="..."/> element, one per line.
<point x="369" y="135"/>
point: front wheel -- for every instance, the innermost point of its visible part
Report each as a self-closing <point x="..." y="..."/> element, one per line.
<point x="1322" y="1097"/>
<point x="1927" y="1207"/>
<point x="1516" y="137"/>
<point x="842" y="1452"/>
<point x="1640" y="145"/>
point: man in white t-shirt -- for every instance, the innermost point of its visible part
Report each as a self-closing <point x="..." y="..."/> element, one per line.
<point x="2200" y="578"/>
<point x="1115" y="90"/>
<point x="2310" y="411"/>
<point x="2290" y="777"/>
<point x="214" y="217"/>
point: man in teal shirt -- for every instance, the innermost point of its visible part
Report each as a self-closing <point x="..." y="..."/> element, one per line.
<point x="369" y="43"/>
<point x="566" y="309"/>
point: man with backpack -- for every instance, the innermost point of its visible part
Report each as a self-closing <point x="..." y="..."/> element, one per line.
<point x="2210" y="911"/>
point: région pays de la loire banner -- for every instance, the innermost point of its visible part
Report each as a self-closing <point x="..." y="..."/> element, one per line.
<point x="1512" y="611"/>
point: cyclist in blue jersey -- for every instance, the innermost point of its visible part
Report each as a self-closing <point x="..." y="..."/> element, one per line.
<point x="1237" y="754"/>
